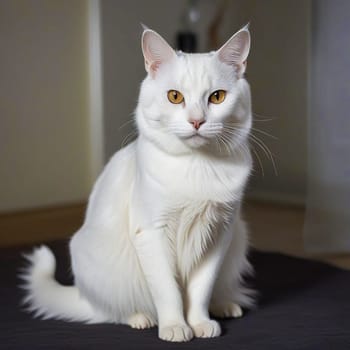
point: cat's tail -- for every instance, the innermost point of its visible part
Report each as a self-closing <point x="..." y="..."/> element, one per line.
<point x="49" y="299"/>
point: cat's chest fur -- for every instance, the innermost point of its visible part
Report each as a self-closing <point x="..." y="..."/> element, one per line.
<point x="193" y="198"/>
<point x="193" y="228"/>
<point x="194" y="177"/>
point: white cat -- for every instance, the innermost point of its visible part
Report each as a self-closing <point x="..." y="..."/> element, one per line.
<point x="163" y="241"/>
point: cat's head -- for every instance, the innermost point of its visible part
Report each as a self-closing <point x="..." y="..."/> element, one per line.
<point x="195" y="101"/>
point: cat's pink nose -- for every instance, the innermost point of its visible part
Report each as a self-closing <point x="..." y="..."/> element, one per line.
<point x="197" y="123"/>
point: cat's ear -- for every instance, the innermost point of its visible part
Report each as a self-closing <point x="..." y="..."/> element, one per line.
<point x="156" y="51"/>
<point x="235" y="51"/>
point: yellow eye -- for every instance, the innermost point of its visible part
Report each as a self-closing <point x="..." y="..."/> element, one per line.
<point x="175" y="96"/>
<point x="217" y="96"/>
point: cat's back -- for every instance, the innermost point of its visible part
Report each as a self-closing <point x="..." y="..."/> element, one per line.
<point x="112" y="188"/>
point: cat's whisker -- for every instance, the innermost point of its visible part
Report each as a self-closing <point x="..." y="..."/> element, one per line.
<point x="126" y="123"/>
<point x="229" y="141"/>
<point x="265" y="133"/>
<point x="261" y="143"/>
<point x="235" y="132"/>
<point x="241" y="148"/>
<point x="218" y="143"/>
<point x="265" y="149"/>
<point x="153" y="119"/>
<point x="226" y="144"/>
<point x="262" y="118"/>
<point x="233" y="126"/>
<point x="244" y="148"/>
<point x="129" y="137"/>
<point x="211" y="133"/>
<point x="258" y="142"/>
<point x="232" y="134"/>
<point x="226" y="137"/>
<point x="222" y="142"/>
<point x="259" y="160"/>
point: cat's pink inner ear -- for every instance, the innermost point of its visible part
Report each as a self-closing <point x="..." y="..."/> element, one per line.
<point x="156" y="51"/>
<point x="235" y="51"/>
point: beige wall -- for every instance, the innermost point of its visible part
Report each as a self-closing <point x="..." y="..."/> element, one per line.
<point x="278" y="71"/>
<point x="43" y="103"/>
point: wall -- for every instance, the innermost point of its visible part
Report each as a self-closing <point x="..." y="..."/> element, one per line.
<point x="277" y="72"/>
<point x="327" y="217"/>
<point x="43" y="103"/>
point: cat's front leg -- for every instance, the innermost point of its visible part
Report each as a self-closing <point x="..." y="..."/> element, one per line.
<point x="200" y="286"/>
<point x="154" y="254"/>
<point x="229" y="296"/>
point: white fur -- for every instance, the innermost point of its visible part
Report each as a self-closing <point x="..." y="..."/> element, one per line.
<point x="163" y="239"/>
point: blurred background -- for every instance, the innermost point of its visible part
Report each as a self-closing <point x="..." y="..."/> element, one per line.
<point x="70" y="74"/>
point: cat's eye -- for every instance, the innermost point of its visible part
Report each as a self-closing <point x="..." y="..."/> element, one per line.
<point x="175" y="96"/>
<point x="217" y="97"/>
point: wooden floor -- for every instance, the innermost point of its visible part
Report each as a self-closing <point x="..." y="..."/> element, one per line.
<point x="40" y="225"/>
<point x="273" y="228"/>
<point x="280" y="228"/>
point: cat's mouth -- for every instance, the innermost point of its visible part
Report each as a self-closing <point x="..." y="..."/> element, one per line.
<point x="193" y="136"/>
<point x="195" y="140"/>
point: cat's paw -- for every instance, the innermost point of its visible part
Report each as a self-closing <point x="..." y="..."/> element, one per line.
<point x="176" y="333"/>
<point x="141" y="321"/>
<point x="207" y="329"/>
<point x="225" y="310"/>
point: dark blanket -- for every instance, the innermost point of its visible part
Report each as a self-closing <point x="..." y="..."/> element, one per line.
<point x="302" y="305"/>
